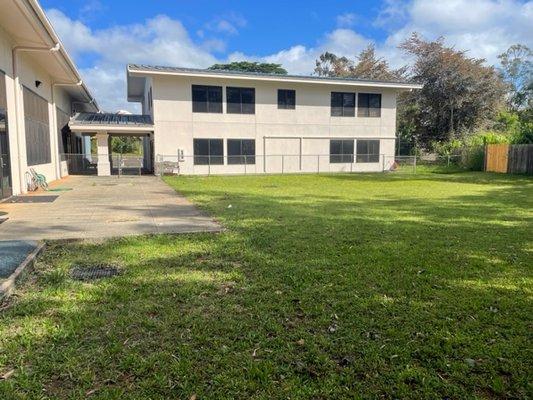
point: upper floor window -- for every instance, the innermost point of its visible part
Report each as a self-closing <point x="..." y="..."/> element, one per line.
<point x="369" y="105"/>
<point x="240" y="100"/>
<point x="286" y="99"/>
<point x="206" y="99"/>
<point x="367" y="151"/>
<point x="342" y="104"/>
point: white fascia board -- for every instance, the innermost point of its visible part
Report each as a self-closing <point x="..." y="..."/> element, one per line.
<point x="89" y="128"/>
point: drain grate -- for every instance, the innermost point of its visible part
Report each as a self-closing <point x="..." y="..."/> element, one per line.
<point x="93" y="272"/>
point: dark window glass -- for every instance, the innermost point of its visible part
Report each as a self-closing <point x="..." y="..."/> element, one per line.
<point x="240" y="100"/>
<point x="286" y="99"/>
<point x="342" y="104"/>
<point x="341" y="151"/>
<point x="37" y="129"/>
<point x="208" y="151"/>
<point x="241" y="151"/>
<point x="367" y="151"/>
<point x="369" y="105"/>
<point x="206" y="99"/>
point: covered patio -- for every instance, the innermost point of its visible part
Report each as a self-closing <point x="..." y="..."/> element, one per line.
<point x="82" y="159"/>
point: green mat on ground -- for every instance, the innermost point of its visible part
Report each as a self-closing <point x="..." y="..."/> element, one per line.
<point x="59" y="189"/>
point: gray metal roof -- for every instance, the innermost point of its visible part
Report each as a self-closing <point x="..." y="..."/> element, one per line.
<point x="111" y="119"/>
<point x="155" y="68"/>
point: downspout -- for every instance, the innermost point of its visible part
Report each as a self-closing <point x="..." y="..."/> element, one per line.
<point x="58" y="155"/>
<point x="14" y="53"/>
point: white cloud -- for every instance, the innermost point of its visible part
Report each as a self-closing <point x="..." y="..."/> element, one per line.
<point x="301" y="59"/>
<point x="159" y="40"/>
<point x="484" y="27"/>
<point x="346" y="20"/>
<point x="228" y="24"/>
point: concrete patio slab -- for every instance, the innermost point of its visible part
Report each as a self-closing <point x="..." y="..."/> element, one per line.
<point x="103" y="207"/>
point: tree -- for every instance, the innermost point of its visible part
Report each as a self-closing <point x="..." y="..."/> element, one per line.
<point x="365" y="66"/>
<point x="517" y="70"/>
<point x="459" y="93"/>
<point x="247" y="66"/>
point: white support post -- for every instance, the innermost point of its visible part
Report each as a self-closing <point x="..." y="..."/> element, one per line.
<point x="104" y="166"/>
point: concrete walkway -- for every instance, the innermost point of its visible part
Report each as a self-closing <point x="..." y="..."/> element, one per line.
<point x="100" y="207"/>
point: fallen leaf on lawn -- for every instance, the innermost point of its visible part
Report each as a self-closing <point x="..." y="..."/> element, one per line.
<point x="8" y="374"/>
<point x="300" y="342"/>
<point x="332" y="328"/>
<point x="193" y="397"/>
<point x="254" y="354"/>
<point x="92" y="391"/>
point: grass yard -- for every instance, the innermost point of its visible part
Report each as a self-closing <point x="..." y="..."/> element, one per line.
<point x="323" y="287"/>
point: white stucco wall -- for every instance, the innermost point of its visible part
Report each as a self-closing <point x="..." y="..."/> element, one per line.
<point x="176" y="125"/>
<point x="28" y="72"/>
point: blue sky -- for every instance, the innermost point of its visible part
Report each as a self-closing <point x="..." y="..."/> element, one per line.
<point x="104" y="35"/>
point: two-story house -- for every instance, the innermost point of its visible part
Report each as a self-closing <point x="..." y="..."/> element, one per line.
<point x="233" y="122"/>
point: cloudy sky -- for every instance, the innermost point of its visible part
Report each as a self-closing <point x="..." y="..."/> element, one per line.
<point x="105" y="35"/>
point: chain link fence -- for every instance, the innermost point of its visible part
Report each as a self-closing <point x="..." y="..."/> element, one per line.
<point x="270" y="164"/>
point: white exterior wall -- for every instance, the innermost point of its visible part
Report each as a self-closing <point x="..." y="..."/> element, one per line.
<point x="310" y="125"/>
<point x="29" y="71"/>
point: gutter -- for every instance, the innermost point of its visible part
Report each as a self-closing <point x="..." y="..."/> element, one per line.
<point x="43" y="20"/>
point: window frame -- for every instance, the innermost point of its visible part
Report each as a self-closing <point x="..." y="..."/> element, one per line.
<point x="367" y="157"/>
<point x="345" y="109"/>
<point x="284" y="102"/>
<point x="240" y="158"/>
<point x="343" y="156"/>
<point x="208" y="159"/>
<point x="364" y="110"/>
<point x="211" y="107"/>
<point x="240" y="107"/>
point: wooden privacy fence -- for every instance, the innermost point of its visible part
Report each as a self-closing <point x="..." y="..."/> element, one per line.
<point x="512" y="159"/>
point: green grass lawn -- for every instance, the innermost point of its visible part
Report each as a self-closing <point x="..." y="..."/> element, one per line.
<point x="322" y="287"/>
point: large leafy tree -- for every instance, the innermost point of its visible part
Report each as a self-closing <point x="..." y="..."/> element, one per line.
<point x="459" y="93"/>
<point x="248" y="66"/>
<point x="366" y="65"/>
<point x="517" y="69"/>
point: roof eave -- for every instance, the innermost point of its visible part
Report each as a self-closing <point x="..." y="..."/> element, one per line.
<point x="39" y="12"/>
<point x="132" y="71"/>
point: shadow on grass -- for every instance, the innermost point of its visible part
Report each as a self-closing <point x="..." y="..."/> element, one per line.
<point x="321" y="295"/>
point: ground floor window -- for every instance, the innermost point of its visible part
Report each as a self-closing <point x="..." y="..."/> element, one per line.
<point x="208" y="152"/>
<point x="341" y="151"/>
<point x="367" y="151"/>
<point x="37" y="129"/>
<point x="241" y="151"/>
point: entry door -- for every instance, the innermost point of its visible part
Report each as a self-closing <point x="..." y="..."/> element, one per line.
<point x="5" y="170"/>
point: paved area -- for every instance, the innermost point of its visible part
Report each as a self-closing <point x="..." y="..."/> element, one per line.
<point x="12" y="253"/>
<point x="100" y="207"/>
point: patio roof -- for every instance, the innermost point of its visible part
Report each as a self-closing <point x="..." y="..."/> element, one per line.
<point x="124" y="123"/>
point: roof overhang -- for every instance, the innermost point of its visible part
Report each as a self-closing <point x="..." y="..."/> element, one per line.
<point x="126" y="124"/>
<point x="138" y="74"/>
<point x="28" y="26"/>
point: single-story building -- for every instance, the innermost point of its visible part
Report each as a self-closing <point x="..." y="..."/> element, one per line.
<point x="40" y="88"/>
